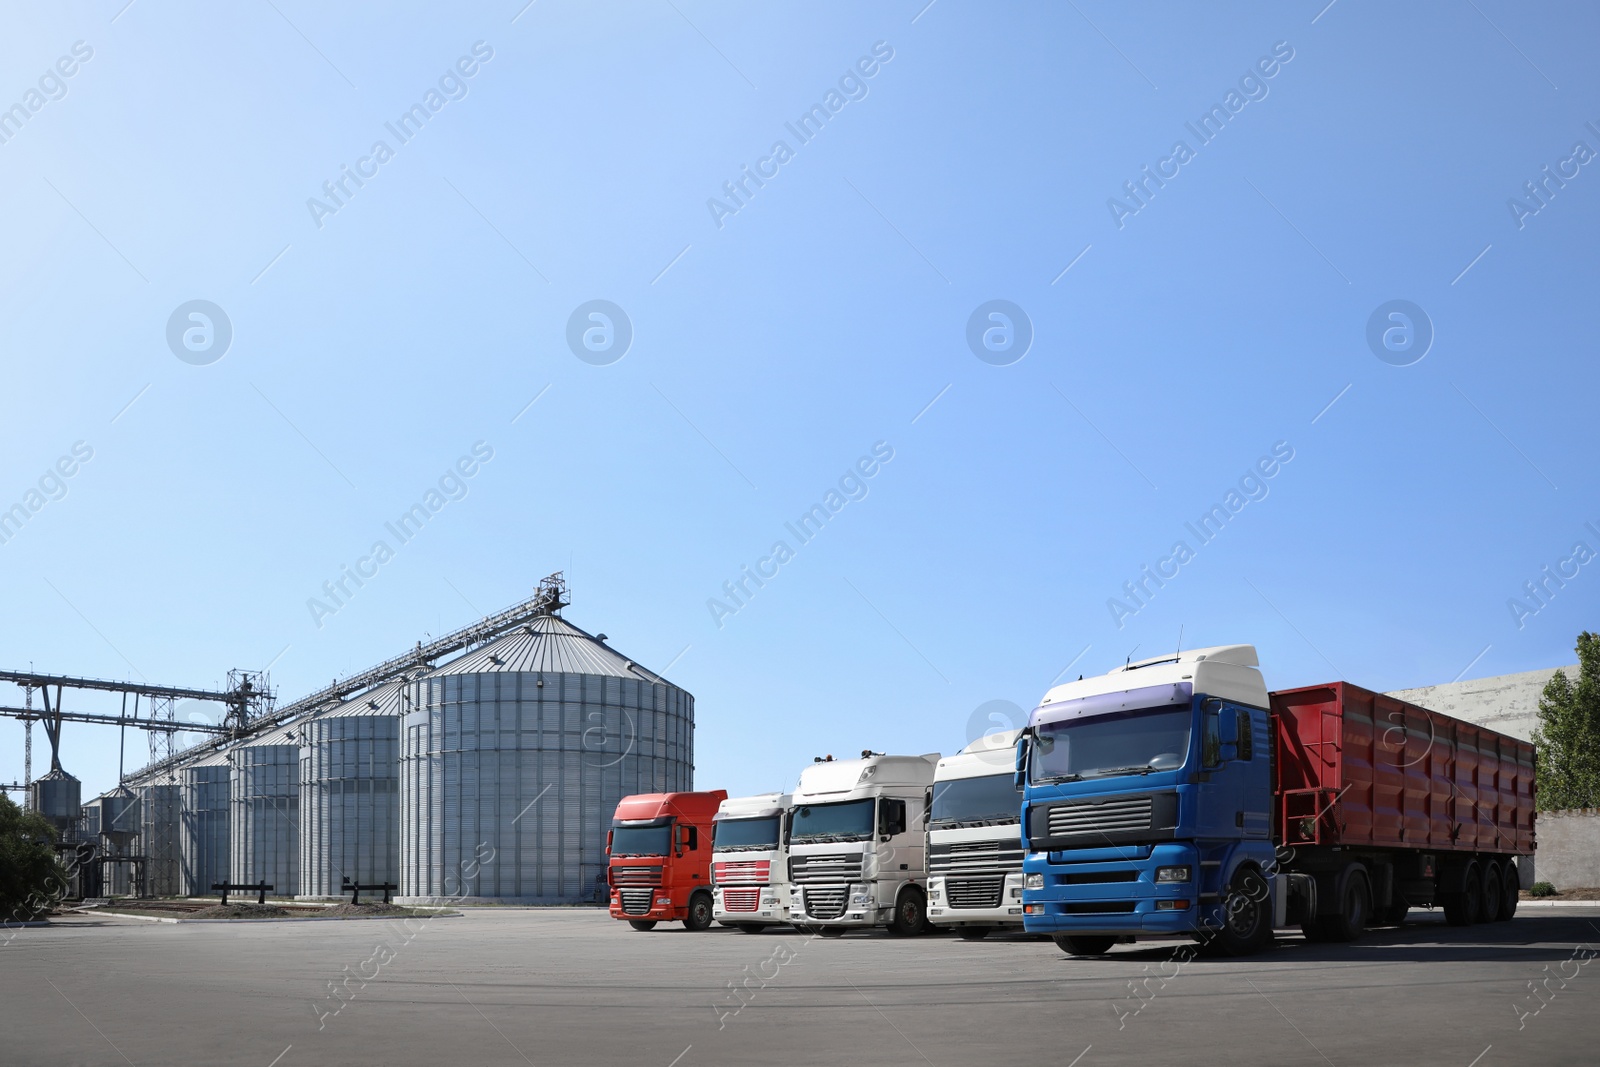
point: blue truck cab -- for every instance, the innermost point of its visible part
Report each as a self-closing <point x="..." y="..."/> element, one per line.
<point x="1147" y="805"/>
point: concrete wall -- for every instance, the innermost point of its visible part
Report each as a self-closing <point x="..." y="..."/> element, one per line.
<point x="1508" y="703"/>
<point x="1569" y="848"/>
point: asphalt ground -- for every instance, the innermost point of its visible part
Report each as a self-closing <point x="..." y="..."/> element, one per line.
<point x="567" y="987"/>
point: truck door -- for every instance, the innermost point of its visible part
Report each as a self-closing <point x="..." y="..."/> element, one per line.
<point x="1236" y="800"/>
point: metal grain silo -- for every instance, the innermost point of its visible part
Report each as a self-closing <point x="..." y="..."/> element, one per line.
<point x="264" y="810"/>
<point x="513" y="758"/>
<point x="58" y="797"/>
<point x="205" y="815"/>
<point x="350" y="794"/>
<point x="159" y="804"/>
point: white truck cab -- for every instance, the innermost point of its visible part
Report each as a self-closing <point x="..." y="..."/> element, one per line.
<point x="857" y="844"/>
<point x="750" y="862"/>
<point x="975" y="839"/>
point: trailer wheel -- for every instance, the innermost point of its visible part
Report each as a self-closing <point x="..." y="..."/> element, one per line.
<point x="1246" y="923"/>
<point x="1351" y="919"/>
<point x="910" y="913"/>
<point x="700" y="912"/>
<point x="642" y="924"/>
<point x="1489" y="896"/>
<point x="974" y="933"/>
<point x="1084" y="944"/>
<point x="1510" y="891"/>
<point x="1461" y="908"/>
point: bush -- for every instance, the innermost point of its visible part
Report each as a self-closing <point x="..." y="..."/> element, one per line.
<point x="1542" y="889"/>
<point x="31" y="877"/>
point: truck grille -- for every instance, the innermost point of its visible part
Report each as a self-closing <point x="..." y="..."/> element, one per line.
<point x="637" y="901"/>
<point x="741" y="899"/>
<point x="975" y="892"/>
<point x="635" y="875"/>
<point x="835" y="867"/>
<point x="826" y="901"/>
<point x="983" y="857"/>
<point x="1108" y="816"/>
<point x="747" y="872"/>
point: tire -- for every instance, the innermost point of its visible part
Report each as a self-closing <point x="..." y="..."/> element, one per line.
<point x="831" y="931"/>
<point x="1461" y="908"/>
<point x="749" y="928"/>
<point x="642" y="924"/>
<point x="700" y="911"/>
<point x="1355" y="906"/>
<point x="1084" y="944"/>
<point x="910" y="913"/>
<point x="1489" y="895"/>
<point x="1246" y="915"/>
<point x="1510" y="891"/>
<point x="974" y="933"/>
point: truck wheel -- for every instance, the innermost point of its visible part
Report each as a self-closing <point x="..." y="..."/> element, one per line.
<point x="1489" y="895"/>
<point x="749" y="928"/>
<point x="1246" y="922"/>
<point x="1084" y="944"/>
<point x="1351" y="919"/>
<point x="910" y="913"/>
<point x="1461" y="909"/>
<point x="642" y="924"/>
<point x="974" y="933"/>
<point x="831" y="931"/>
<point x="699" y="917"/>
<point x="1510" y="891"/>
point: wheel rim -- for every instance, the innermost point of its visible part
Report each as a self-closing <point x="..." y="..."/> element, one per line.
<point x="1244" y="915"/>
<point x="909" y="913"/>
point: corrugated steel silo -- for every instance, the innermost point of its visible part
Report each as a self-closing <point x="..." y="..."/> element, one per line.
<point x="206" y="816"/>
<point x="58" y="797"/>
<point x="513" y="758"/>
<point x="264" y="810"/>
<point x="159" y="804"/>
<point x="350" y="794"/>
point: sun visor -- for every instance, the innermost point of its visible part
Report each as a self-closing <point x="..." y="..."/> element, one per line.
<point x="1150" y="696"/>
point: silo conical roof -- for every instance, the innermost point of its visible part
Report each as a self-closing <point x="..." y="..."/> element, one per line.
<point x="549" y="644"/>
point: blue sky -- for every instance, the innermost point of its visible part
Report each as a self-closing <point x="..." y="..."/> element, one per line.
<point x="771" y="348"/>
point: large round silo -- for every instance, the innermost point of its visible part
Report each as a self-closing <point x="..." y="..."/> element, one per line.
<point x="264" y="811"/>
<point x="205" y="816"/>
<point x="350" y="794"/>
<point x="513" y="758"/>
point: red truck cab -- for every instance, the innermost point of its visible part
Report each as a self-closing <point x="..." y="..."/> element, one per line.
<point x="658" y="858"/>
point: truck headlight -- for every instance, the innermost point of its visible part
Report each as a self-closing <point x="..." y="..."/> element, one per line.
<point x="1172" y="874"/>
<point x="1033" y="881"/>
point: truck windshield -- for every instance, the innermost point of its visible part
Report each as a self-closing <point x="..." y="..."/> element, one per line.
<point x="1129" y="742"/>
<point x="848" y="820"/>
<point x="993" y="800"/>
<point x="746" y="834"/>
<point x="641" y="840"/>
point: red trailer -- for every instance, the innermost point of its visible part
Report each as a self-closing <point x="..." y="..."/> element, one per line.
<point x="1378" y="798"/>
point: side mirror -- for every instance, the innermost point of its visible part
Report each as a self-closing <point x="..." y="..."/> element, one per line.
<point x="608" y="841"/>
<point x="1021" y="763"/>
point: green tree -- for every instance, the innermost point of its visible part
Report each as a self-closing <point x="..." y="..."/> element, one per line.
<point x="31" y="878"/>
<point x="1567" y="739"/>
